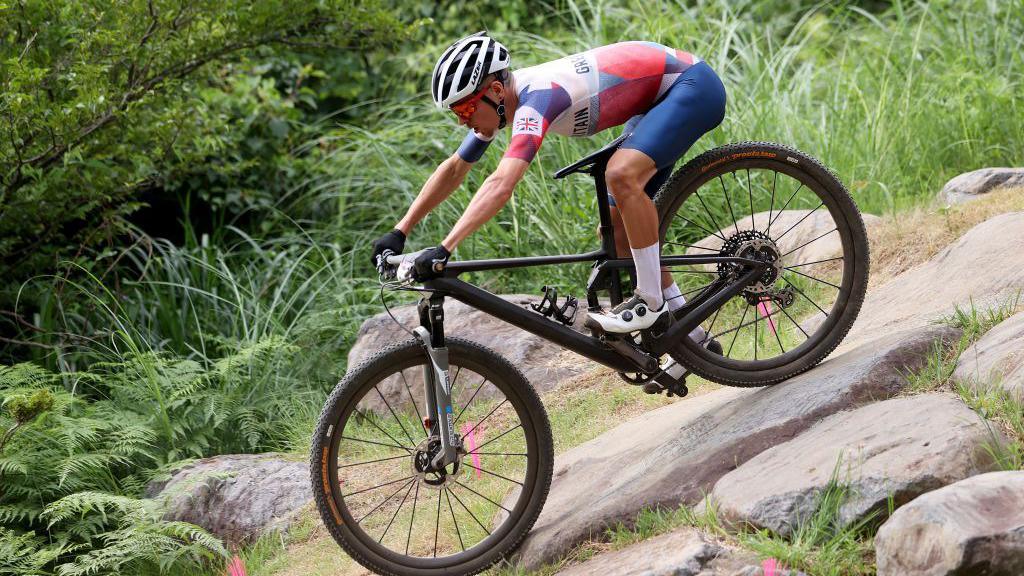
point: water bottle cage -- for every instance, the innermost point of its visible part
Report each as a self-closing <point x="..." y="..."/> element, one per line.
<point x="549" y="306"/>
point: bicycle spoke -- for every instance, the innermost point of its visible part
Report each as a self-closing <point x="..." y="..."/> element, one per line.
<point x="377" y="443"/>
<point x="707" y="333"/>
<point x="728" y="202"/>
<point x="784" y="206"/>
<point x="478" y="389"/>
<point x="466" y="508"/>
<point x="482" y="496"/>
<point x="771" y="206"/>
<point x="378" y="486"/>
<point x="390" y="437"/>
<point x="437" y="523"/>
<point x="703" y="229"/>
<point x="374" y="461"/>
<point x="494" y="474"/>
<point x="454" y="380"/>
<point x="755" y="333"/>
<point x="463" y="437"/>
<point x="397" y="510"/>
<point x="750" y="196"/>
<point x="784" y="279"/>
<point x="710" y="215"/>
<point x="736" y="329"/>
<point x="386" y="500"/>
<point x="808" y="242"/>
<point x="476" y="451"/>
<point x="774" y="330"/>
<point x="808" y="336"/>
<point x="497" y="453"/>
<point x="419" y="418"/>
<point x="815" y="262"/>
<point x="690" y="246"/>
<point x="454" y="521"/>
<point x="815" y="279"/>
<point x="412" y="519"/>
<point x="397" y="419"/>
<point x="742" y="318"/>
<point x="696" y="289"/>
<point x="799" y="221"/>
<point x="673" y="267"/>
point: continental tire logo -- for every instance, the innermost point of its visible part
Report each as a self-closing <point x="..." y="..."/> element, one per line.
<point x="736" y="156"/>
<point x="327" y="487"/>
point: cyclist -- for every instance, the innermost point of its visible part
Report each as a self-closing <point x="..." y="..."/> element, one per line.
<point x="666" y="98"/>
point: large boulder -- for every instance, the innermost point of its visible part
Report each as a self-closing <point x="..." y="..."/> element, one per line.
<point x="236" y="497"/>
<point x="984" y="267"/>
<point x="684" y="552"/>
<point x="900" y="448"/>
<point x="675" y="454"/>
<point x="975" y="526"/>
<point x="544" y="364"/>
<point x="804" y="234"/>
<point x="971" y="185"/>
<point x="996" y="359"/>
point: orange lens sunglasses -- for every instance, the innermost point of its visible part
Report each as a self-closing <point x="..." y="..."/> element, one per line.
<point x="466" y="108"/>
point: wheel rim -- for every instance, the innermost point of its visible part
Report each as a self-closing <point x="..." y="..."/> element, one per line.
<point x="761" y="207"/>
<point x="426" y="519"/>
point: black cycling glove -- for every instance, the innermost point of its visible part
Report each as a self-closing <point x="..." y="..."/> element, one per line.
<point x="394" y="241"/>
<point x="431" y="263"/>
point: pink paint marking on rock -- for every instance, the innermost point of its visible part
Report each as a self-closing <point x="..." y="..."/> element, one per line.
<point x="763" y="308"/>
<point x="469" y="433"/>
<point x="236" y="567"/>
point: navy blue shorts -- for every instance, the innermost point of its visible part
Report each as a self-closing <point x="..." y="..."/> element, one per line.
<point x="693" y="106"/>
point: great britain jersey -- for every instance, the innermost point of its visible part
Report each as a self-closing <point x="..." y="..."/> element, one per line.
<point x="585" y="93"/>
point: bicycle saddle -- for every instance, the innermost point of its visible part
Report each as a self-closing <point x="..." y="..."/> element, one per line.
<point x="600" y="156"/>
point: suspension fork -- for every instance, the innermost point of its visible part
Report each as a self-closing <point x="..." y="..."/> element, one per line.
<point x="437" y="387"/>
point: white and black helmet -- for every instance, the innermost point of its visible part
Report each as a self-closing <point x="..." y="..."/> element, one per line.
<point x="462" y="68"/>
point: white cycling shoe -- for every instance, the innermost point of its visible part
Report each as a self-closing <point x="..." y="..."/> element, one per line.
<point x="632" y="315"/>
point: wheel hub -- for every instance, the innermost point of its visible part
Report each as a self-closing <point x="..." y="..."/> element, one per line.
<point x="422" y="468"/>
<point x="755" y="245"/>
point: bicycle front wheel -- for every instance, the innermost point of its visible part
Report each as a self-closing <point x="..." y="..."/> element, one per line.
<point x="769" y="202"/>
<point x="370" y="473"/>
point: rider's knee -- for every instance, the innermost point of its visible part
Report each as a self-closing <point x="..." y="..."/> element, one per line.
<point x="623" y="182"/>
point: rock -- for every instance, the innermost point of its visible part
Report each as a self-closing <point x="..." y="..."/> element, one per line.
<point x="793" y="230"/>
<point x="684" y="552"/>
<point x="997" y="359"/>
<point x="975" y="526"/>
<point x="971" y="185"/>
<point x="544" y="364"/>
<point x="675" y="454"/>
<point x="901" y="447"/>
<point x="987" y="264"/>
<point x="236" y="497"/>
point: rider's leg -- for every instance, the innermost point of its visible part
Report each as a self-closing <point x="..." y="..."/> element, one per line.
<point x="627" y="173"/>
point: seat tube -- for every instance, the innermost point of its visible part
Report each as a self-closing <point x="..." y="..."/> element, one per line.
<point x="607" y="231"/>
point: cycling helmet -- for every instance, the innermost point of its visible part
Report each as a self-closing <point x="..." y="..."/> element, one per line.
<point x="462" y="68"/>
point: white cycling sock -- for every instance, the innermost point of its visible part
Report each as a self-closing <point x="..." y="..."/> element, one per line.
<point x="648" y="274"/>
<point x="675" y="301"/>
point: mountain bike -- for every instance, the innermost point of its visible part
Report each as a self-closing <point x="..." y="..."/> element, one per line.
<point x="435" y="456"/>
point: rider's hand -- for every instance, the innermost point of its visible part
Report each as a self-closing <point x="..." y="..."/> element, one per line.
<point x="394" y="241"/>
<point x="431" y="263"/>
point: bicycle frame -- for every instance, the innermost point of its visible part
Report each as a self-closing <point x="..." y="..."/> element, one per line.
<point x="605" y="276"/>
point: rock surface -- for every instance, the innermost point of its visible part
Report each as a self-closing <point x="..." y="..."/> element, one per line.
<point x="996" y="359"/>
<point x="677" y="453"/>
<point x="794" y="230"/>
<point x="544" y="364"/>
<point x="236" y="497"/>
<point x="901" y="447"/>
<point x="684" y="552"/>
<point x="975" y="526"/>
<point x="971" y="185"/>
<point x="985" y="263"/>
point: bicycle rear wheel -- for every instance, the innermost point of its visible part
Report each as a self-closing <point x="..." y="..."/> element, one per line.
<point x="765" y="201"/>
<point x="371" y="448"/>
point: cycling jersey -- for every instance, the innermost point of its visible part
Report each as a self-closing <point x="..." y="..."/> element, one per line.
<point x="584" y="93"/>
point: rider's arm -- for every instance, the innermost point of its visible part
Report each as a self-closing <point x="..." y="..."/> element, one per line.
<point x="446" y="178"/>
<point x="492" y="195"/>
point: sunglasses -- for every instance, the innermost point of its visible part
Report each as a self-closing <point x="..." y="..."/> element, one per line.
<point x="467" y="107"/>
